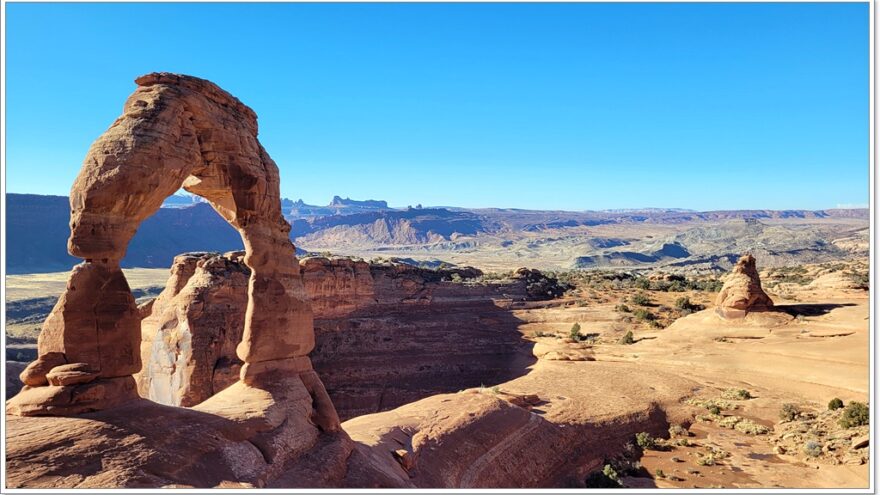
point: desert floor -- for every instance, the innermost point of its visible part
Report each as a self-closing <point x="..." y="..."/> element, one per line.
<point x="808" y="352"/>
<point x="815" y="347"/>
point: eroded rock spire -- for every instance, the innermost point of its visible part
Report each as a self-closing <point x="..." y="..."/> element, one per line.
<point x="742" y="292"/>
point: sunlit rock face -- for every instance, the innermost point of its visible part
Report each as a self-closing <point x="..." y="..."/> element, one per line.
<point x="742" y="292"/>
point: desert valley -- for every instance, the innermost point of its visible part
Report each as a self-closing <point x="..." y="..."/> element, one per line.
<point x="192" y="345"/>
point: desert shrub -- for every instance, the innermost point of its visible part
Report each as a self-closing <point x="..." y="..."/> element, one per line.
<point x="659" y="473"/>
<point x="677" y="286"/>
<point x="575" y="332"/>
<point x="677" y="431"/>
<point x="683" y="303"/>
<point x="743" y="425"/>
<point x="861" y="279"/>
<point x="854" y="414"/>
<point x="645" y="441"/>
<point x="642" y="283"/>
<point x="541" y="333"/>
<point x="717" y="452"/>
<point x="714" y="409"/>
<point x="609" y="471"/>
<point x="644" y="314"/>
<point x="704" y="285"/>
<point x="684" y="442"/>
<point x="640" y="299"/>
<point x="706" y="460"/>
<point x="628" y="338"/>
<point x="789" y="412"/>
<point x="622" y="308"/>
<point x="736" y="394"/>
<point x="655" y="324"/>
<point x="835" y="404"/>
<point x="715" y="401"/>
<point x="729" y="421"/>
<point x="661" y="285"/>
<point x="749" y="427"/>
<point x="813" y="448"/>
<point x="791" y="275"/>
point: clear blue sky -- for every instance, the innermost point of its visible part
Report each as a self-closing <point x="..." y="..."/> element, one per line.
<point x="556" y="106"/>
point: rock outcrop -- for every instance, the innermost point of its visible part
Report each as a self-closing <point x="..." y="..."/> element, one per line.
<point x="180" y="131"/>
<point x="742" y="292"/>
<point x="191" y="330"/>
<point x="444" y="335"/>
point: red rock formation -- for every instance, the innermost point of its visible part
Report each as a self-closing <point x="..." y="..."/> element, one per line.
<point x="443" y="335"/>
<point x="742" y="292"/>
<point x="190" y="331"/>
<point x="276" y="425"/>
<point x="175" y="131"/>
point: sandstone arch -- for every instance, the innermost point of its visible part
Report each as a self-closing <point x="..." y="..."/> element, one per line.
<point x="175" y="131"/>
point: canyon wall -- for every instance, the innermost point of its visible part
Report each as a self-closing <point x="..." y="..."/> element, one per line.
<point x="385" y="334"/>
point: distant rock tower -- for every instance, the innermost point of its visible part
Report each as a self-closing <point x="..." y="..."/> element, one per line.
<point x="742" y="292"/>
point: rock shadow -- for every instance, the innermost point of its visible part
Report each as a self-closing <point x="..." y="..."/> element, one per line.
<point x="818" y="309"/>
<point x="389" y="357"/>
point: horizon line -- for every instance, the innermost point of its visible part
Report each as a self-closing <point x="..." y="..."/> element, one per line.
<point x="839" y="206"/>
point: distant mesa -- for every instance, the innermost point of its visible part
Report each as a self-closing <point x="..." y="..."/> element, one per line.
<point x="666" y="252"/>
<point x="347" y="202"/>
<point x="742" y="292"/>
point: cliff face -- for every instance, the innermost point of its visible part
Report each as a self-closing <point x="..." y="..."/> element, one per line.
<point x="386" y="334"/>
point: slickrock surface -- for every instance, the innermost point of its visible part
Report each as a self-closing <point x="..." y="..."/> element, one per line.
<point x="550" y="439"/>
<point x="242" y="437"/>
<point x="444" y="336"/>
<point x="742" y="292"/>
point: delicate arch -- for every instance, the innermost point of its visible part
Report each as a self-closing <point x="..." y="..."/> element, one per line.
<point x="175" y="131"/>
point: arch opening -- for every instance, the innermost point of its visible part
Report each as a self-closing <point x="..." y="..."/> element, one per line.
<point x="175" y="132"/>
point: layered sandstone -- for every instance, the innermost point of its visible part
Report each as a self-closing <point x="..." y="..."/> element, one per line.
<point x="191" y="330"/>
<point x="443" y="335"/>
<point x="742" y="292"/>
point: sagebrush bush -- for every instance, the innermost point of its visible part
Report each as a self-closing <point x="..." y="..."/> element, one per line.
<point x="854" y="414"/>
<point x="640" y="299"/>
<point x="645" y="440"/>
<point x="628" y="338"/>
<point x="789" y="412"/>
<point x="644" y="314"/>
<point x="813" y="449"/>
<point x="736" y="394"/>
<point x="835" y="404"/>
<point x="677" y="431"/>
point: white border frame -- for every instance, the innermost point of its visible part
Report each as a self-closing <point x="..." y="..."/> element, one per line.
<point x="873" y="275"/>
